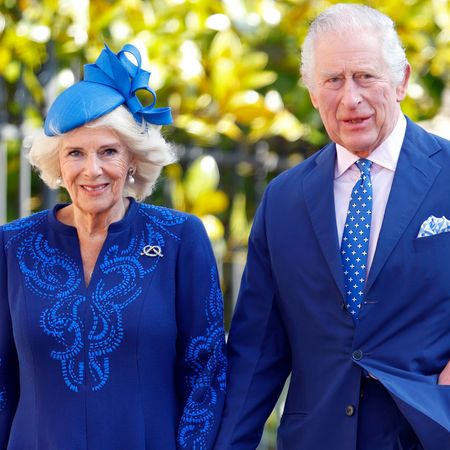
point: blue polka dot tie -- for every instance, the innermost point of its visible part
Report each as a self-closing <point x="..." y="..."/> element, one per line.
<point x="355" y="239"/>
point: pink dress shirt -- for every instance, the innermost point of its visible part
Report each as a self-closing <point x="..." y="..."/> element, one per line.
<point x="384" y="159"/>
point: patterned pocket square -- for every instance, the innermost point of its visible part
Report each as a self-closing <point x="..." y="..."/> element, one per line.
<point x="434" y="225"/>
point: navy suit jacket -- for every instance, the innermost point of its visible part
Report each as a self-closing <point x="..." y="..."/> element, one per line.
<point x="290" y="319"/>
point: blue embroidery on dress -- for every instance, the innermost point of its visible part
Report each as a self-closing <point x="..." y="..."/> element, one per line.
<point x="51" y="274"/>
<point x="205" y="356"/>
<point x="2" y="394"/>
<point x="48" y="271"/>
<point x="164" y="219"/>
<point x="22" y="226"/>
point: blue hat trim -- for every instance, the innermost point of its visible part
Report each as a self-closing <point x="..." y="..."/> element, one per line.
<point x="112" y="81"/>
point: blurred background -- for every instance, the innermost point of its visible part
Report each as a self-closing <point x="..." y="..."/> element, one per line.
<point x="230" y="72"/>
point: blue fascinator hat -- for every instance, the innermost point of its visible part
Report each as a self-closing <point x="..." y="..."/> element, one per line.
<point x="111" y="81"/>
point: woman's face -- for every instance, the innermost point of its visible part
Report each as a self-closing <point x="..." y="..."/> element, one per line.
<point x="94" y="166"/>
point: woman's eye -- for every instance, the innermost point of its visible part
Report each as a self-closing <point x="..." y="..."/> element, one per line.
<point x="110" y="152"/>
<point x="74" y="153"/>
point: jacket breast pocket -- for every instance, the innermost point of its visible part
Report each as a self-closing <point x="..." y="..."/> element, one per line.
<point x="430" y="265"/>
<point x="438" y="244"/>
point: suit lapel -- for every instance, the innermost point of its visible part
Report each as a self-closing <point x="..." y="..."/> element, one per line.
<point x="319" y="198"/>
<point x="413" y="178"/>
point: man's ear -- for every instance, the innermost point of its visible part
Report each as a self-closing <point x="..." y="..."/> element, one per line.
<point x="403" y="86"/>
<point x="313" y="98"/>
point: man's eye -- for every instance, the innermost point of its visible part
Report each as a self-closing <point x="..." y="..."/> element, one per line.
<point x="334" y="82"/>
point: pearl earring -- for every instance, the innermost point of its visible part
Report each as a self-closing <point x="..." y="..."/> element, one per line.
<point x="59" y="181"/>
<point x="131" y="179"/>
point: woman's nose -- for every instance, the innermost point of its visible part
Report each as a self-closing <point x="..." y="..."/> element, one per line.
<point x="93" y="165"/>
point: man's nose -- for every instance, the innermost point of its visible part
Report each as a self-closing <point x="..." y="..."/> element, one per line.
<point x="351" y="96"/>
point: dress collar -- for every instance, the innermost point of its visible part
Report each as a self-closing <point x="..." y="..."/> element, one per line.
<point x="115" y="227"/>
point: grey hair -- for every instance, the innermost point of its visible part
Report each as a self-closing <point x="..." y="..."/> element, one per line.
<point x="344" y="17"/>
<point x="145" y="143"/>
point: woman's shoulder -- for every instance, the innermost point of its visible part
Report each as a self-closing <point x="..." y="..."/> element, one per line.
<point x="178" y="222"/>
<point x="166" y="215"/>
<point x="24" y="223"/>
<point x="15" y="231"/>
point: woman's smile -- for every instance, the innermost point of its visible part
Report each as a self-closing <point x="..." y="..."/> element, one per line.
<point x="94" y="166"/>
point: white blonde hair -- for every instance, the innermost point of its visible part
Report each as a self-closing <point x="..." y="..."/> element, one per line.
<point x="344" y="17"/>
<point x="151" y="152"/>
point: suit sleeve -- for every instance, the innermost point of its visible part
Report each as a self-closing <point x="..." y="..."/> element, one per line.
<point x="8" y="360"/>
<point x="258" y="349"/>
<point x="201" y="376"/>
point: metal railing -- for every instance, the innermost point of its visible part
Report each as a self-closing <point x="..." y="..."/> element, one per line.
<point x="11" y="133"/>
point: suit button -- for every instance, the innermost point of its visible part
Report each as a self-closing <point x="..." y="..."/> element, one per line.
<point x="349" y="410"/>
<point x="357" y="355"/>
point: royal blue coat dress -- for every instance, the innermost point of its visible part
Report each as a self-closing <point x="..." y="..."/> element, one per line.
<point x="133" y="361"/>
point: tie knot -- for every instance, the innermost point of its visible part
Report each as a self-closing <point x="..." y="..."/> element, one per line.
<point x="364" y="166"/>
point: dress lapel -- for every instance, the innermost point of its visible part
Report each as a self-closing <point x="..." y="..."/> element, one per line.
<point x="413" y="179"/>
<point x="319" y="198"/>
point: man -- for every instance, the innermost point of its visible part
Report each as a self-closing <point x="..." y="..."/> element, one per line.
<point x="347" y="283"/>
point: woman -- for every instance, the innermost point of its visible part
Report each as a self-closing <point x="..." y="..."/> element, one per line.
<point x="111" y="333"/>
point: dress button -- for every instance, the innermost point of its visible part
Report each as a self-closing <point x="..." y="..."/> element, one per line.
<point x="357" y="355"/>
<point x="349" y="410"/>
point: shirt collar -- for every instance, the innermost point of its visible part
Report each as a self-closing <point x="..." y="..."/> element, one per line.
<point x="385" y="155"/>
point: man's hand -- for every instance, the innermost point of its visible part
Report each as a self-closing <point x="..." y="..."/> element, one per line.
<point x="444" y="377"/>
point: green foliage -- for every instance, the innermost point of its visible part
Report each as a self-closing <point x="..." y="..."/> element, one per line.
<point x="229" y="70"/>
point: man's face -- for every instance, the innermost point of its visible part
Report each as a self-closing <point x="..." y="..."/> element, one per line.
<point x="353" y="91"/>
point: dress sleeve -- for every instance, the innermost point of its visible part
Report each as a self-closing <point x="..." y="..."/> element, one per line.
<point x="8" y="359"/>
<point x="201" y="360"/>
